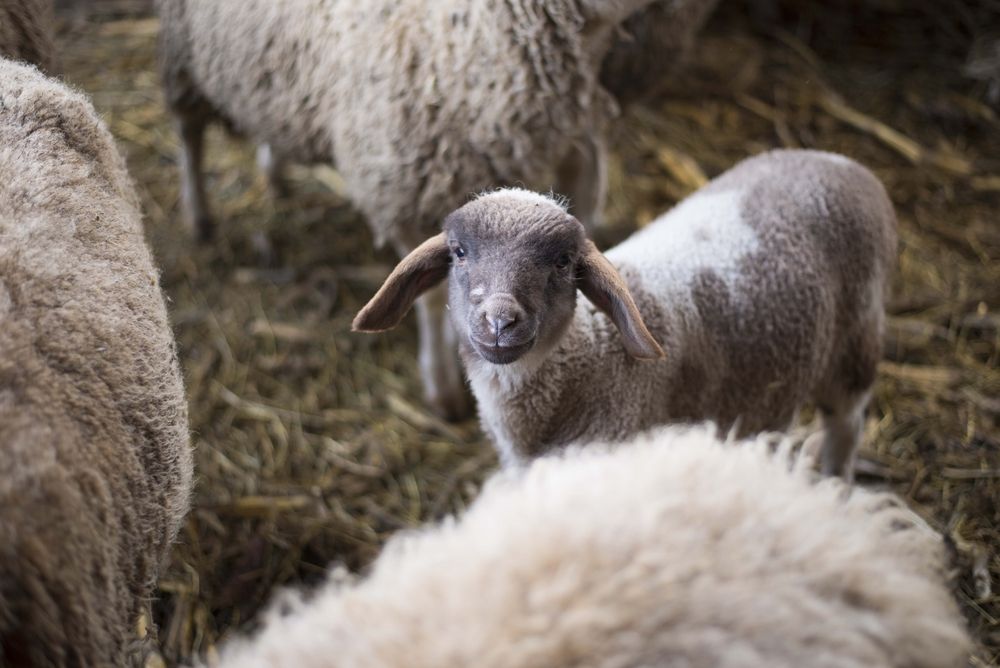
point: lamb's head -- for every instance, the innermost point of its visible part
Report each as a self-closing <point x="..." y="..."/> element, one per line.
<point x="514" y="260"/>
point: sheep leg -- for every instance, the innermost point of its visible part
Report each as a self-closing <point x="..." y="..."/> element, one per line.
<point x="440" y="366"/>
<point x="582" y="176"/>
<point x="191" y="129"/>
<point x="273" y="166"/>
<point x="843" y="424"/>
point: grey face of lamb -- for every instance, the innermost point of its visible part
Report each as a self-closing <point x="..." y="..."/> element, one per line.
<point x="512" y="284"/>
<point x="514" y="261"/>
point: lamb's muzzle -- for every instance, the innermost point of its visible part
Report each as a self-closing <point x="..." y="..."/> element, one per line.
<point x="501" y="330"/>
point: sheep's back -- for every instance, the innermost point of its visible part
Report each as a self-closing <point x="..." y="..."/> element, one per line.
<point x="265" y="67"/>
<point x="419" y="104"/>
<point x="95" y="469"/>
<point x="759" y="282"/>
<point x="672" y="550"/>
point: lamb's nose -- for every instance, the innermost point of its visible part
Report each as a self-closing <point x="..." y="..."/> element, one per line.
<point x="498" y="322"/>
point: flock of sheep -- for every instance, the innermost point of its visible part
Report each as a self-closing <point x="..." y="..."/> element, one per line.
<point x="608" y="539"/>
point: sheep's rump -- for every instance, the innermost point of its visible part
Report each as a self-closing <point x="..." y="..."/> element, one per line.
<point x="768" y="287"/>
<point x="95" y="468"/>
<point x="675" y="550"/>
<point x="26" y="32"/>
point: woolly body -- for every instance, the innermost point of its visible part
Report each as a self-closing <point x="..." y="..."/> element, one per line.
<point x="95" y="467"/>
<point x="765" y="289"/>
<point x="673" y="550"/>
<point x="419" y="104"/>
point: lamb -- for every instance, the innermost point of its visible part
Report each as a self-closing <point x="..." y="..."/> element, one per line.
<point x="26" y="32"/>
<point x="95" y="466"/>
<point x="762" y="290"/>
<point x="419" y="104"/>
<point x="676" y="549"/>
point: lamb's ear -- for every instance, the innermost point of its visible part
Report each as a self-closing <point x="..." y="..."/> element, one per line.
<point x="422" y="269"/>
<point x="601" y="283"/>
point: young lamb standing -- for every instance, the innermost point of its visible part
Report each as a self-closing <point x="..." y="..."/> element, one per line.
<point x="674" y="550"/>
<point x="95" y="466"/>
<point x="765" y="289"/>
<point x="418" y="103"/>
<point x="26" y="32"/>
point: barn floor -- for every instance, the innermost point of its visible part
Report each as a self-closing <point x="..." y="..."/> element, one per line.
<point x="312" y="443"/>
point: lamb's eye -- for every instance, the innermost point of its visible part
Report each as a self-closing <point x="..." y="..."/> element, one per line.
<point x="459" y="252"/>
<point x="563" y="261"/>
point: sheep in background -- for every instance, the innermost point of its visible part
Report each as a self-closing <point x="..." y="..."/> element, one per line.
<point x="27" y="28"/>
<point x="765" y="289"/>
<point x="95" y="467"/>
<point x="651" y="44"/>
<point x="674" y="550"/>
<point x="418" y="104"/>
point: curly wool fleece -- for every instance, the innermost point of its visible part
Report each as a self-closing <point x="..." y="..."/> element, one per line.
<point x="95" y="465"/>
<point x="675" y="550"/>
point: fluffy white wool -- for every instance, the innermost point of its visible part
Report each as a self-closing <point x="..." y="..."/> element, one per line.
<point x="676" y="550"/>
<point x="705" y="232"/>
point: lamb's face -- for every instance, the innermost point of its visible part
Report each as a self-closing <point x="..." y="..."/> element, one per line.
<point x="512" y="280"/>
<point x="514" y="260"/>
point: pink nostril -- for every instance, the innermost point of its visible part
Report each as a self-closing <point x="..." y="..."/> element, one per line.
<point x="498" y="322"/>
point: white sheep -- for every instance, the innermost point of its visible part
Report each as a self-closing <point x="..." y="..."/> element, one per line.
<point x="27" y="28"/>
<point x="95" y="466"/>
<point x="674" y="550"/>
<point x="765" y="289"/>
<point x="417" y="103"/>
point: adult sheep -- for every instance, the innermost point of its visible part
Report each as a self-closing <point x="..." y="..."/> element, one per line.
<point x="418" y="104"/>
<point x="673" y="550"/>
<point x="95" y="467"/>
